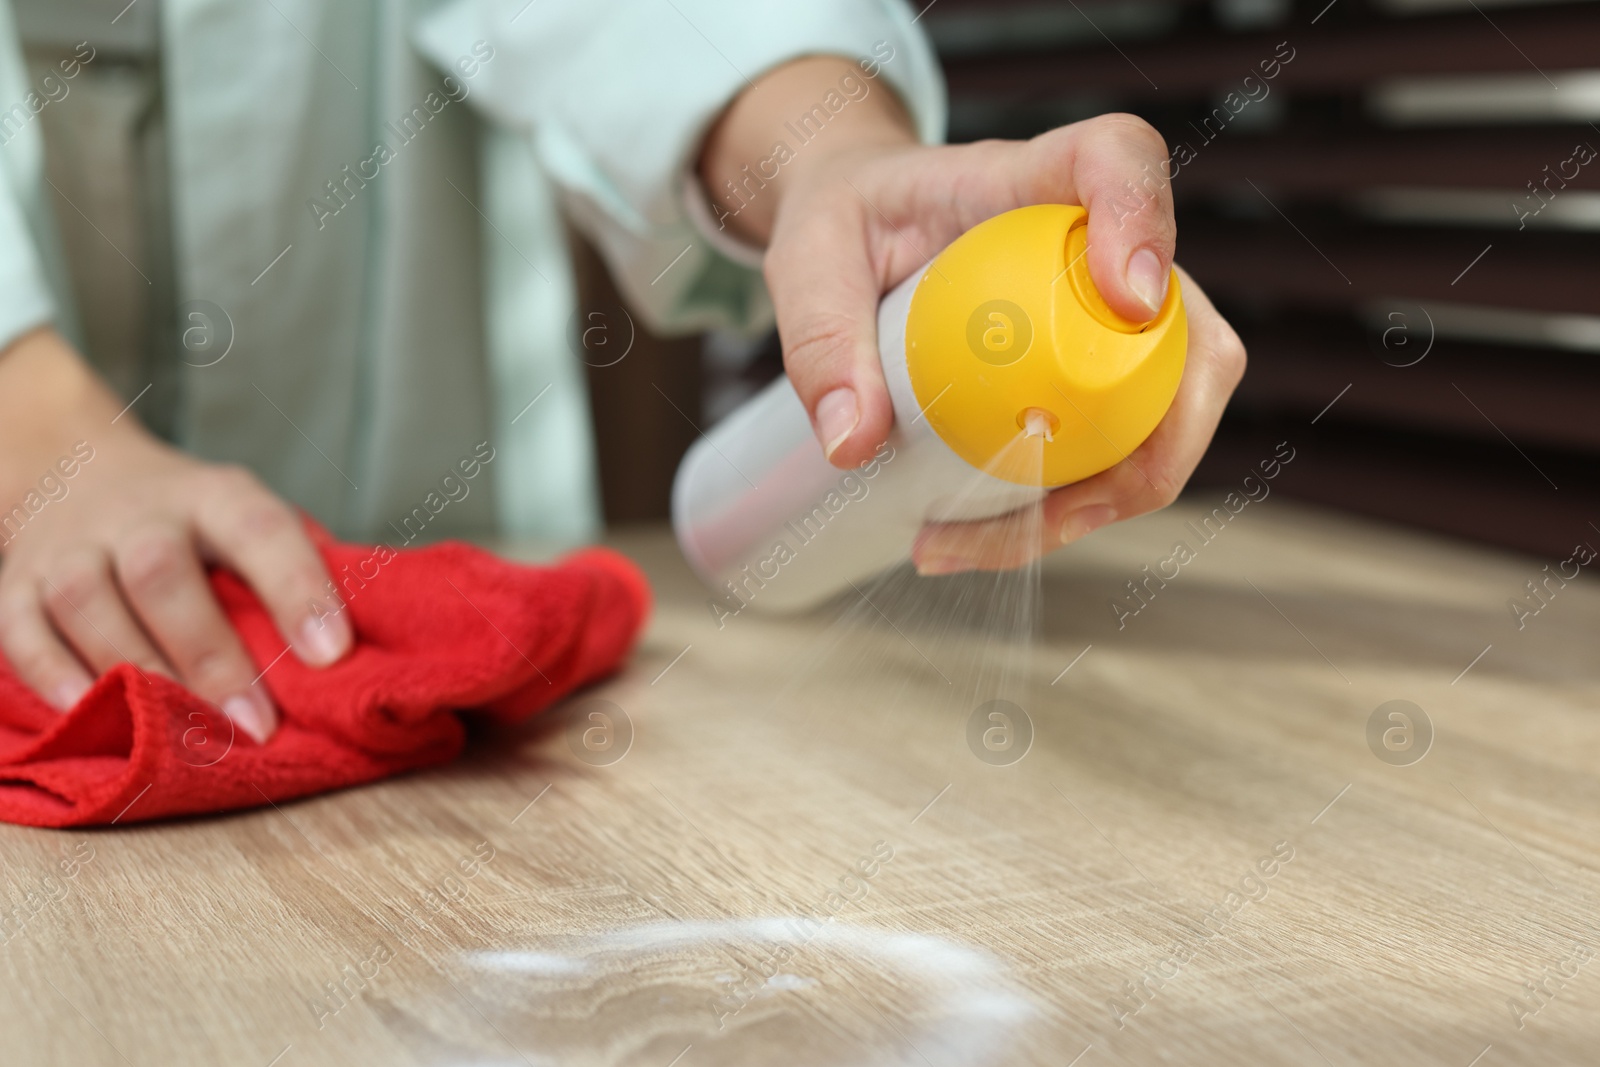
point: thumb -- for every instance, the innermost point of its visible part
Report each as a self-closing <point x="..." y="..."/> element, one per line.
<point x="1117" y="168"/>
<point x="826" y="294"/>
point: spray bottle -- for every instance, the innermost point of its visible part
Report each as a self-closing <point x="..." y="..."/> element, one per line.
<point x="1003" y="334"/>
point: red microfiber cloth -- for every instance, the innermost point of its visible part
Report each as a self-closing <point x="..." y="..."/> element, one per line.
<point x="438" y="630"/>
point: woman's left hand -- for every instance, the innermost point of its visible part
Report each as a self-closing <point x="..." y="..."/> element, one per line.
<point x="863" y="205"/>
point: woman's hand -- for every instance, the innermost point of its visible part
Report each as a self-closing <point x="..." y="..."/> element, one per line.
<point x="863" y="205"/>
<point x="1149" y="479"/>
<point x="108" y="563"/>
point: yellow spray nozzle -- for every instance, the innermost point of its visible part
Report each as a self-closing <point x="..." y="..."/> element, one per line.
<point x="1008" y="335"/>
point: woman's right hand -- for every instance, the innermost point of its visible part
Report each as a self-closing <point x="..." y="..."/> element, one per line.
<point x="107" y="565"/>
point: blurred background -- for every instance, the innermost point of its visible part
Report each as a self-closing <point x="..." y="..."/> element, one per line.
<point x="1401" y="224"/>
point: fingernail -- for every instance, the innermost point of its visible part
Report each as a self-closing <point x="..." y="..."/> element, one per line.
<point x="837" y="416"/>
<point x="323" y="640"/>
<point x="1147" y="280"/>
<point x="1086" y="520"/>
<point x="253" y="713"/>
<point x="930" y="568"/>
<point x="67" y="694"/>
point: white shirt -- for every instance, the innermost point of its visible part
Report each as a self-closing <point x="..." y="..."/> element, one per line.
<point x="369" y="191"/>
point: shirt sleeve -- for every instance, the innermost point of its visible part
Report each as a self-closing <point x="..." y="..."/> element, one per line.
<point x="25" y="300"/>
<point x="617" y="95"/>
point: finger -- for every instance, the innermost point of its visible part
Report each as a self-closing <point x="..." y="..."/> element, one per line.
<point x="41" y="660"/>
<point x="1116" y="167"/>
<point x="1148" y="479"/>
<point x="825" y="293"/>
<point x="81" y="598"/>
<point x="244" y="526"/>
<point x="160" y="571"/>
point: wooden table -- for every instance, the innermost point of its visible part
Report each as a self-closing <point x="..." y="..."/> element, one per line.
<point x="809" y="855"/>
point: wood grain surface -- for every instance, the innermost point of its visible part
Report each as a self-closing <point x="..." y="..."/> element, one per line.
<point x="807" y="842"/>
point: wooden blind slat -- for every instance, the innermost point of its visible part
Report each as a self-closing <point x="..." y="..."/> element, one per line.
<point x="1327" y="57"/>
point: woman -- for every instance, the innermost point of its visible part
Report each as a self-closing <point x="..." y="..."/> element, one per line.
<point x="363" y="292"/>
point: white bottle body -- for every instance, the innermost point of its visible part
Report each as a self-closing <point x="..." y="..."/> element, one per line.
<point x="769" y="523"/>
